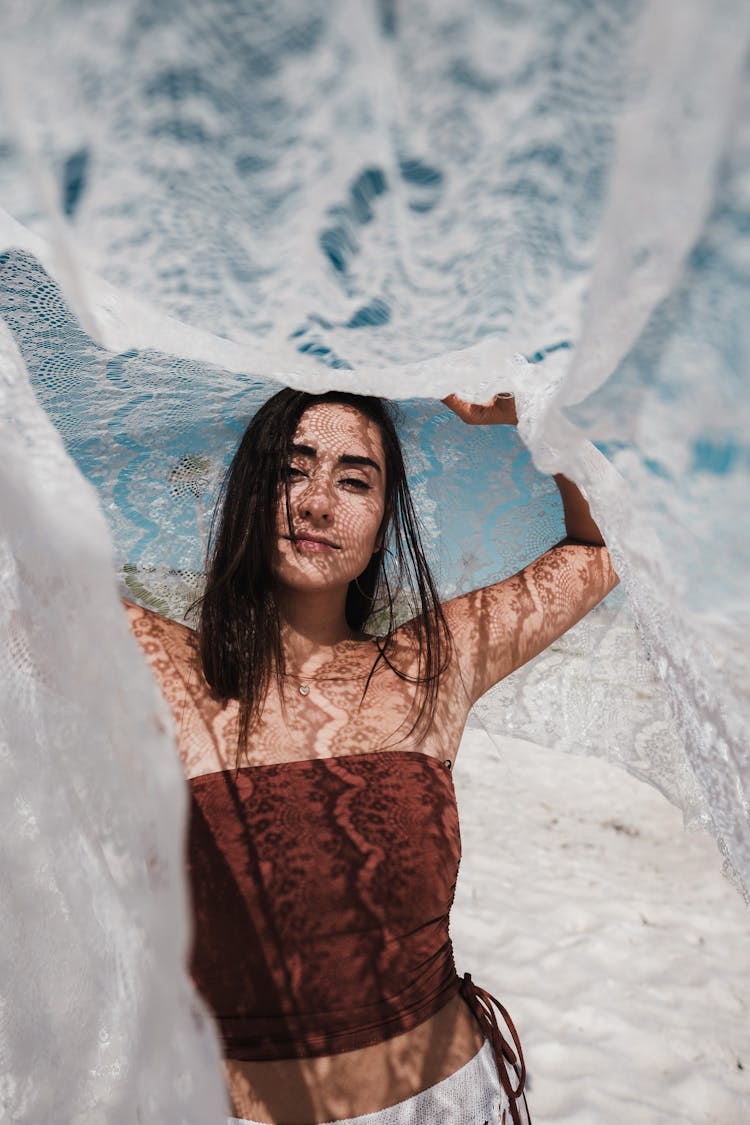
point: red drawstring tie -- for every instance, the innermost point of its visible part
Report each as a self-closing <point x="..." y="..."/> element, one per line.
<point x="481" y="1004"/>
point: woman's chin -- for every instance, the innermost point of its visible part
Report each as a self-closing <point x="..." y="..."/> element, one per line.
<point x="310" y="580"/>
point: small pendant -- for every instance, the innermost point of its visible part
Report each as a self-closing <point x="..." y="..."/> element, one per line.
<point x="304" y="689"/>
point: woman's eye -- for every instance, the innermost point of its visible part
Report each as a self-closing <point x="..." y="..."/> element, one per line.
<point x="293" y="473"/>
<point x="356" y="483"/>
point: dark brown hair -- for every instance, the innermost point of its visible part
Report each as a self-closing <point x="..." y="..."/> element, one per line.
<point x="239" y="629"/>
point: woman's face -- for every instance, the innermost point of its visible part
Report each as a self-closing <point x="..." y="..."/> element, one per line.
<point x="336" y="487"/>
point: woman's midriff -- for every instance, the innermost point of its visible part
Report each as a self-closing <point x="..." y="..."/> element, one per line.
<point x="301" y="1091"/>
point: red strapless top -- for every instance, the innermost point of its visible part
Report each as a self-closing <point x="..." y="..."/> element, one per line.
<point x="321" y="893"/>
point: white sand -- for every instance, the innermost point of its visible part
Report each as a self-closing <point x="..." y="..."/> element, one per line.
<point x="611" y="935"/>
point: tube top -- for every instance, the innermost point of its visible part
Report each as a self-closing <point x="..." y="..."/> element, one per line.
<point x="321" y="893"/>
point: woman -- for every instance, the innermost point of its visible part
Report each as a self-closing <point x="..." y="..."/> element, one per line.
<point x="324" y="841"/>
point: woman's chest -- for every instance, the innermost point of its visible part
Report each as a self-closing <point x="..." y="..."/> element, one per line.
<point x="327" y="716"/>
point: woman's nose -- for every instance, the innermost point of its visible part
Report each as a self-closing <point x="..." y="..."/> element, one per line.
<point x="315" y="501"/>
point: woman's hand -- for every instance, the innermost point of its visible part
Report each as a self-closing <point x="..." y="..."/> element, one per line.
<point x="499" y="411"/>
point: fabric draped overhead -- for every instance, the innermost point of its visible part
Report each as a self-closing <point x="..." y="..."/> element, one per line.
<point x="204" y="201"/>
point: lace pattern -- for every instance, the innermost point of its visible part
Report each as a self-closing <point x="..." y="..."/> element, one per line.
<point x="393" y="198"/>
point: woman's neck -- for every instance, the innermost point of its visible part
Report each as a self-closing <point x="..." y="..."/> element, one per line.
<point x="312" y="623"/>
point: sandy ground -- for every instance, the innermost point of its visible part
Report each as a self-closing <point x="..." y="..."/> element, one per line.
<point x="611" y="935"/>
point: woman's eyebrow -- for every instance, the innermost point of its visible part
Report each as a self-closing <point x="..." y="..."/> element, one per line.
<point x="353" y="459"/>
<point x="344" y="459"/>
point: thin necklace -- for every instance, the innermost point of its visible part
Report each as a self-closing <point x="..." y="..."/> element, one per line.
<point x="304" y="682"/>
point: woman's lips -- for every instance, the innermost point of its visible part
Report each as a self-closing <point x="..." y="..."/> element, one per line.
<point x="302" y="543"/>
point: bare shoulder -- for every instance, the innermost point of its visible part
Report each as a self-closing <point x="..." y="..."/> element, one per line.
<point x="153" y="630"/>
<point x="406" y="645"/>
<point x="170" y="648"/>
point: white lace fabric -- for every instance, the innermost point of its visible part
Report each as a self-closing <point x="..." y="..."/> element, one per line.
<point x="206" y="200"/>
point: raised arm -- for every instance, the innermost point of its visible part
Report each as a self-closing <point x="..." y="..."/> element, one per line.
<point x="498" y="628"/>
